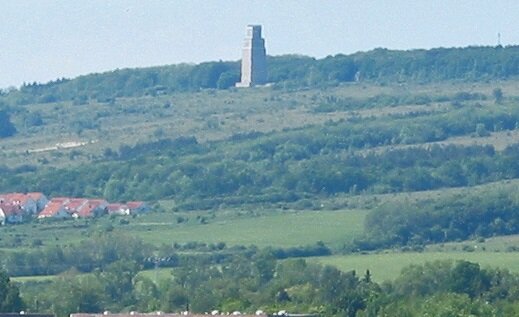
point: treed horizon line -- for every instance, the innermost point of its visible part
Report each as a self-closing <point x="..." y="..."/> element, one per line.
<point x="301" y="55"/>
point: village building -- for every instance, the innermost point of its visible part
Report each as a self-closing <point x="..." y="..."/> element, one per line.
<point x="31" y="203"/>
<point x="17" y="207"/>
<point x="130" y="208"/>
<point x="10" y="213"/>
<point x="138" y="207"/>
<point x="40" y="199"/>
<point x="118" y="209"/>
<point x="55" y="208"/>
<point x="91" y="208"/>
<point x="65" y="207"/>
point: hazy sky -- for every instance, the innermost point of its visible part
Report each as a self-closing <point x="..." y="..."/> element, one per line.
<point x="42" y="40"/>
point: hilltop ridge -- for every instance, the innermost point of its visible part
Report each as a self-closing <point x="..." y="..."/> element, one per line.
<point x="286" y="71"/>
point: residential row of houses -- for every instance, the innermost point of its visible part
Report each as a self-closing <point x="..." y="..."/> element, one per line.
<point x="19" y="207"/>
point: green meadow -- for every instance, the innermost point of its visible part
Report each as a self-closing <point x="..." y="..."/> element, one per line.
<point x="388" y="266"/>
<point x="274" y="228"/>
<point x="280" y="229"/>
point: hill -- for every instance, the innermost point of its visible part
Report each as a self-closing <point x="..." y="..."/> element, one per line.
<point x="363" y="157"/>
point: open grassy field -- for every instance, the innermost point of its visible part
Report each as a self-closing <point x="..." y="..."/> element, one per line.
<point x="280" y="229"/>
<point x="275" y="228"/>
<point x="494" y="244"/>
<point x="387" y="266"/>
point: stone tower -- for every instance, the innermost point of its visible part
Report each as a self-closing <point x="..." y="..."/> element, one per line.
<point x="254" y="59"/>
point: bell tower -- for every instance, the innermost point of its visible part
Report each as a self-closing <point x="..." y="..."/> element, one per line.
<point x="254" y="59"/>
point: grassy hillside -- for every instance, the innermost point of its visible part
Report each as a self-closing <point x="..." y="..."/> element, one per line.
<point x="207" y="115"/>
<point x="274" y="137"/>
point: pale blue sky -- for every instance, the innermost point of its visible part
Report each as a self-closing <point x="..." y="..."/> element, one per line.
<point x="43" y="40"/>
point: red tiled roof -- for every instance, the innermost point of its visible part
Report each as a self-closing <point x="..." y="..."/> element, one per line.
<point x="60" y="199"/>
<point x="52" y="208"/>
<point x="115" y="207"/>
<point x="35" y="195"/>
<point x="74" y="204"/>
<point x="98" y="201"/>
<point x="11" y="209"/>
<point x="16" y="198"/>
<point x="92" y="204"/>
<point x="134" y="204"/>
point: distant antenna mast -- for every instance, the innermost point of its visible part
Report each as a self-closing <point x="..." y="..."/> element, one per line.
<point x="498" y="39"/>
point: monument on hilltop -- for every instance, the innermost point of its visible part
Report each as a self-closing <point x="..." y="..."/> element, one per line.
<point x="254" y="59"/>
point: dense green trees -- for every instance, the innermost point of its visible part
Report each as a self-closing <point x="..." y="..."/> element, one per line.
<point x="10" y="300"/>
<point x="99" y="251"/>
<point x="449" y="289"/>
<point x="6" y="126"/>
<point x="431" y="221"/>
<point x="242" y="284"/>
<point x="235" y="285"/>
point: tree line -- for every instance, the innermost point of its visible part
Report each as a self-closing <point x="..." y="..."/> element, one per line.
<point x="285" y="72"/>
<point x="100" y="251"/>
<point x="493" y="212"/>
<point x="441" y="288"/>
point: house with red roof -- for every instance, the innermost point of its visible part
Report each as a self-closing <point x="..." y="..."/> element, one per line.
<point x="25" y="201"/>
<point x="40" y="199"/>
<point x="67" y="207"/>
<point x="55" y="208"/>
<point x="137" y="207"/>
<point x="10" y="213"/>
<point x="73" y="205"/>
<point x="18" y="206"/>
<point x="91" y="208"/>
<point x="130" y="208"/>
<point x="118" y="209"/>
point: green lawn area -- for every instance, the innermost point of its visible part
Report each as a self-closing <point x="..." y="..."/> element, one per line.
<point x="279" y="229"/>
<point x="156" y="275"/>
<point x="387" y="266"/>
<point x="35" y="278"/>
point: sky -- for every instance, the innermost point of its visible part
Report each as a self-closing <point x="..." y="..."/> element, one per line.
<point x="42" y="40"/>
